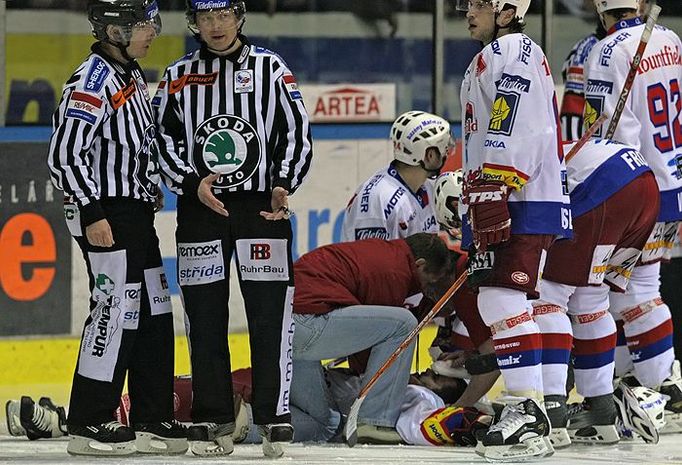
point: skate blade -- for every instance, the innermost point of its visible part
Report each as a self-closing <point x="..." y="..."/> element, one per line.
<point x="12" y="414"/>
<point x="598" y="434"/>
<point x="530" y="449"/>
<point x="211" y="448"/>
<point x="273" y="450"/>
<point x="148" y="443"/>
<point x="559" y="438"/>
<point x="79" y="445"/>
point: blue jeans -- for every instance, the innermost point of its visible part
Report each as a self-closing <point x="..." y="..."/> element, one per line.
<point x="342" y="332"/>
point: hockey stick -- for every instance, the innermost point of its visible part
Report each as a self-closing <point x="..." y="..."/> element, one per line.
<point x="585" y="137"/>
<point x="351" y="428"/>
<point x="625" y="93"/>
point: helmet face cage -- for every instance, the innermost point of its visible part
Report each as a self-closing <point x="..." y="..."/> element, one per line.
<point x="234" y="7"/>
<point x="127" y="15"/>
<point x="414" y="132"/>
<point x="448" y="190"/>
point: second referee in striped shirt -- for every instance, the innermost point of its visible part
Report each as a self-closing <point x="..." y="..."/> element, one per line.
<point x="234" y="144"/>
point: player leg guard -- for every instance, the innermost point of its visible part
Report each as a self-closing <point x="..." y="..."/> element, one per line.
<point x="647" y="325"/>
<point x="516" y="338"/>
<point x="594" y="340"/>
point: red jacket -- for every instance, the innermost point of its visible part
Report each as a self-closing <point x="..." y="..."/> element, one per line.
<point x="368" y="272"/>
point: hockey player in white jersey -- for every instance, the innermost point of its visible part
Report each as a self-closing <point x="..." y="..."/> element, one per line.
<point x="397" y="201"/>
<point x="652" y="123"/>
<point x="515" y="206"/>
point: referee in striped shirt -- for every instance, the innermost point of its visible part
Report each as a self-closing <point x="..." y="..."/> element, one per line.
<point x="102" y="156"/>
<point x="234" y="142"/>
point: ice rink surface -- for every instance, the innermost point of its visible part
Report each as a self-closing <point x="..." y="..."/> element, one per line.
<point x="667" y="451"/>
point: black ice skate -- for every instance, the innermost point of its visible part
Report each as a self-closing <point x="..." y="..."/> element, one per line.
<point x="672" y="387"/>
<point x="593" y="421"/>
<point x="42" y="421"/>
<point x="110" y="438"/>
<point x="274" y="436"/>
<point x="522" y="433"/>
<point x="557" y="412"/>
<point x="164" y="438"/>
<point x="211" y="439"/>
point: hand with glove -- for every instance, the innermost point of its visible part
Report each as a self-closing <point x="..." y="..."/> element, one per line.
<point x="489" y="213"/>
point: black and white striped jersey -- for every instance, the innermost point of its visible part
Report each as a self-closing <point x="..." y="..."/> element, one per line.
<point x="103" y="141"/>
<point x="240" y="115"/>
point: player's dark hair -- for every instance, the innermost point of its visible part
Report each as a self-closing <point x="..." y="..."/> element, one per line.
<point x="431" y="248"/>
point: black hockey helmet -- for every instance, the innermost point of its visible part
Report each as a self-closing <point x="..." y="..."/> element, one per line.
<point x="123" y="13"/>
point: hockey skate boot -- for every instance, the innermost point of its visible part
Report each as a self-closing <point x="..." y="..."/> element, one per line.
<point x="164" y="438"/>
<point x="672" y="387"/>
<point x="593" y="421"/>
<point x="522" y="433"/>
<point x="110" y="438"/>
<point x="211" y="439"/>
<point x="42" y="421"/>
<point x="274" y="436"/>
<point x="640" y="412"/>
<point x="557" y="412"/>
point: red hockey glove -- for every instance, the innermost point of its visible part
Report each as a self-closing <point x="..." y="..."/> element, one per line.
<point x="489" y="213"/>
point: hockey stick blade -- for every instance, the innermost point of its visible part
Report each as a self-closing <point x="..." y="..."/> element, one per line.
<point x="636" y="59"/>
<point x="585" y="137"/>
<point x="351" y="428"/>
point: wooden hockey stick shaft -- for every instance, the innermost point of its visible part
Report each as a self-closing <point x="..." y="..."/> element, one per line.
<point x="352" y="420"/>
<point x="586" y="136"/>
<point x="625" y="93"/>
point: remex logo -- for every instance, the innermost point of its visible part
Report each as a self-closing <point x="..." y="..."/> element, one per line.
<point x="260" y="252"/>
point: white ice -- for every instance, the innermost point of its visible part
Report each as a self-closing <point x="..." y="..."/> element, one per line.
<point x="667" y="451"/>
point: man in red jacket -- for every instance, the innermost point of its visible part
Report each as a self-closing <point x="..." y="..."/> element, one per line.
<point x="349" y="297"/>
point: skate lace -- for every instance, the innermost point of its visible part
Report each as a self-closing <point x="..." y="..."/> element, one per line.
<point x="574" y="409"/>
<point x="512" y="418"/>
<point x="41" y="419"/>
<point x="112" y="425"/>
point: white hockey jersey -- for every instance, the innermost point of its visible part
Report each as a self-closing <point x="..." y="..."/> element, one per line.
<point x="652" y="119"/>
<point x="599" y="170"/>
<point x="511" y="134"/>
<point x="419" y="404"/>
<point x="384" y="207"/>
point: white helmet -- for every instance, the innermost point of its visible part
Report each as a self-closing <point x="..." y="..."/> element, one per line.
<point x="498" y="5"/>
<point x="448" y="189"/>
<point x="521" y="6"/>
<point x="606" y="5"/>
<point x="414" y="132"/>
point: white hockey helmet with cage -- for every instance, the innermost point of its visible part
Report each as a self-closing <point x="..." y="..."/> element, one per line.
<point x="606" y="5"/>
<point x="414" y="132"/>
<point x="498" y="5"/>
<point x="448" y="190"/>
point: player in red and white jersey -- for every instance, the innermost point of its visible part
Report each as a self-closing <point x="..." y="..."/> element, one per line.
<point x="515" y="206"/>
<point x="652" y="123"/>
<point x="397" y="201"/>
<point x="614" y="201"/>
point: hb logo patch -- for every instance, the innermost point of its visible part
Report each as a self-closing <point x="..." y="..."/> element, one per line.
<point x="260" y="251"/>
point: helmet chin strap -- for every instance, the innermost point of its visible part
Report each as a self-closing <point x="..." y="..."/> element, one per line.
<point x="497" y="28"/>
